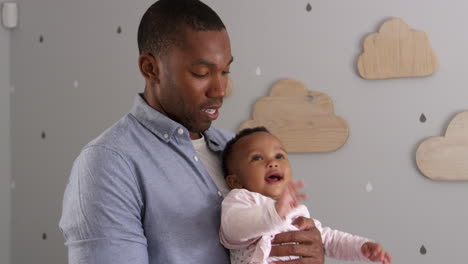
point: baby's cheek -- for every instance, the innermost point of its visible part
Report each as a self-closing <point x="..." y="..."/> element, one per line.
<point x="253" y="186"/>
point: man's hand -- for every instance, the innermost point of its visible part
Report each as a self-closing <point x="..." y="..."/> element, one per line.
<point x="306" y="243"/>
<point x="375" y="252"/>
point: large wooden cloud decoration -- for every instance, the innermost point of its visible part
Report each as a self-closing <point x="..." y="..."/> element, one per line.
<point x="446" y="158"/>
<point x="304" y="121"/>
<point x="397" y="51"/>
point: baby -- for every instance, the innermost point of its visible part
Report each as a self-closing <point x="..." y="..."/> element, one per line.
<point x="264" y="201"/>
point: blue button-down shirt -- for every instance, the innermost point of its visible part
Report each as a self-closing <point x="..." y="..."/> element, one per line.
<point x="139" y="194"/>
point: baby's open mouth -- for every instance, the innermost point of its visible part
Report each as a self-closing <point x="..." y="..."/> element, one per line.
<point x="273" y="177"/>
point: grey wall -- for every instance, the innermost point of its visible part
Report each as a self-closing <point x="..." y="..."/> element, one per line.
<point x="52" y="118"/>
<point x="5" y="145"/>
<point x="404" y="210"/>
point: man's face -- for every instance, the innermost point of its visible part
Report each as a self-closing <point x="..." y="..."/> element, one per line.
<point x="260" y="164"/>
<point x="193" y="79"/>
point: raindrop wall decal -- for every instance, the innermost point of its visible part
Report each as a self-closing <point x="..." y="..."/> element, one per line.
<point x="258" y="71"/>
<point x="43" y="135"/>
<point x="308" y="7"/>
<point x="422" y="118"/>
<point x="119" y="30"/>
<point x="423" y="250"/>
<point x="41" y="38"/>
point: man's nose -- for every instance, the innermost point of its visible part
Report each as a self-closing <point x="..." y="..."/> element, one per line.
<point x="217" y="87"/>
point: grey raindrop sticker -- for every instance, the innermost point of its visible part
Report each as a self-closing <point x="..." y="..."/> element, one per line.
<point x="423" y="250"/>
<point x="422" y="118"/>
<point x="119" y="30"/>
<point x="43" y="135"/>
<point x="308" y="7"/>
<point x="41" y="38"/>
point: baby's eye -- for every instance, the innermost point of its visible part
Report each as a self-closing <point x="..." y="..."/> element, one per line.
<point x="279" y="156"/>
<point x="256" y="157"/>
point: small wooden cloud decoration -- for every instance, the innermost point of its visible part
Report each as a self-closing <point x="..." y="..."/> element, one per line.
<point x="396" y="51"/>
<point x="446" y="158"/>
<point x="229" y="87"/>
<point x="304" y="121"/>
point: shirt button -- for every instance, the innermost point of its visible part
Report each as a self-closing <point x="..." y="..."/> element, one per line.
<point x="195" y="158"/>
<point x="166" y="135"/>
<point x="220" y="194"/>
<point x="180" y="131"/>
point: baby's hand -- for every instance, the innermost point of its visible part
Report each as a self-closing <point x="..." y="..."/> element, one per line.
<point x="375" y="252"/>
<point x="290" y="198"/>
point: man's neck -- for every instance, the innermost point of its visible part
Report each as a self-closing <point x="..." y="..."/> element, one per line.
<point x="194" y="135"/>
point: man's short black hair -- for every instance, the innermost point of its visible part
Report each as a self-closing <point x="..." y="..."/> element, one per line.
<point x="228" y="149"/>
<point x="163" y="23"/>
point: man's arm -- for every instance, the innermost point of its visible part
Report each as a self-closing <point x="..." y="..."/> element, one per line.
<point x="102" y="208"/>
<point x="307" y="244"/>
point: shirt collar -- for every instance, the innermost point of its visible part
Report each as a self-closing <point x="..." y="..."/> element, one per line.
<point x="213" y="140"/>
<point x="164" y="127"/>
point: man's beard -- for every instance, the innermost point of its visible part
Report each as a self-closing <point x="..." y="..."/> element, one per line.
<point x="192" y="126"/>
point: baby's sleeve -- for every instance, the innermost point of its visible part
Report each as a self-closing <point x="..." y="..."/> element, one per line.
<point x="245" y="217"/>
<point x="341" y="245"/>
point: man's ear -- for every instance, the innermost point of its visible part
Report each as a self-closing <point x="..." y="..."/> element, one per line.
<point x="233" y="182"/>
<point x="149" y="67"/>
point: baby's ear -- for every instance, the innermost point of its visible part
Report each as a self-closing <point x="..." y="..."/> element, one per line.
<point x="233" y="181"/>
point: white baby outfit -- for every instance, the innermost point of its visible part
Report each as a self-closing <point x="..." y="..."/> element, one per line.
<point x="249" y="222"/>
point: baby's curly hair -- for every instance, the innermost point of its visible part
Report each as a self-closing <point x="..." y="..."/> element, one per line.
<point x="228" y="149"/>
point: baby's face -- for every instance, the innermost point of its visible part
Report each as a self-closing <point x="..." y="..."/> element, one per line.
<point x="260" y="164"/>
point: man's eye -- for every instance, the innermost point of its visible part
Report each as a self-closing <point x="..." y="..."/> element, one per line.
<point x="279" y="156"/>
<point x="256" y="157"/>
<point x="199" y="75"/>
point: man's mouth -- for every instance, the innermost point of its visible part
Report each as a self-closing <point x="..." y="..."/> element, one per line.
<point x="274" y="177"/>
<point x="210" y="113"/>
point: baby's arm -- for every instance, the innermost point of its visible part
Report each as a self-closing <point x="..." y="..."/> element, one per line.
<point x="375" y="252"/>
<point x="342" y="245"/>
<point x="290" y="198"/>
<point x="345" y="246"/>
<point x="245" y="217"/>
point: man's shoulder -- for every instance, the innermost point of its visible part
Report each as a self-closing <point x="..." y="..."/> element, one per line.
<point x="117" y="137"/>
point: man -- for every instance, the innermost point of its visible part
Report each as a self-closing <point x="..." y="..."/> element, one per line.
<point x="141" y="192"/>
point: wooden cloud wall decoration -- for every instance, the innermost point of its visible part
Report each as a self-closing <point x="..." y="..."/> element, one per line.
<point x="446" y="158"/>
<point x="397" y="51"/>
<point x="304" y="121"/>
<point x="229" y="87"/>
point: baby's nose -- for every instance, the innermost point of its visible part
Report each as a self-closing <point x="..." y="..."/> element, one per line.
<point x="273" y="165"/>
